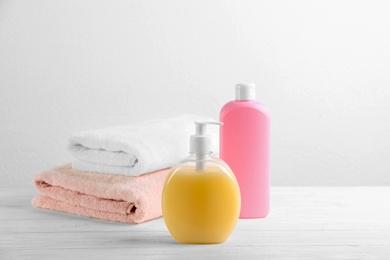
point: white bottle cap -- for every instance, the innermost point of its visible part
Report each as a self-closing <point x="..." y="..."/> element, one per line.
<point x="245" y="91"/>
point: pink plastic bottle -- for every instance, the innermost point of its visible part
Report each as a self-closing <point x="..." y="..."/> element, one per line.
<point x="245" y="147"/>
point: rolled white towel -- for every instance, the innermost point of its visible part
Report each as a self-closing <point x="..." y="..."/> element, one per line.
<point x="138" y="148"/>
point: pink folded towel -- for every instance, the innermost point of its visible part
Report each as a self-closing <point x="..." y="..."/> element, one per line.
<point x="105" y="196"/>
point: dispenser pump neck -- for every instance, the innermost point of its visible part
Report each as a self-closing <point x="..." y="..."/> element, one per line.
<point x="200" y="128"/>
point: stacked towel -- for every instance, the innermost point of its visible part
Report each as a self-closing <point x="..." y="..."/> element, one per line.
<point x="104" y="196"/>
<point x="96" y="185"/>
<point x="138" y="148"/>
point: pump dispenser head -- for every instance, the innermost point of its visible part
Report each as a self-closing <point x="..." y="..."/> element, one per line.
<point x="200" y="142"/>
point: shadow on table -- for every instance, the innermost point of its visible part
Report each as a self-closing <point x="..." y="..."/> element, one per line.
<point x="147" y="239"/>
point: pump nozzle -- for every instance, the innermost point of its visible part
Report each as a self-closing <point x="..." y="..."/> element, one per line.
<point x="200" y="142"/>
<point x="201" y="126"/>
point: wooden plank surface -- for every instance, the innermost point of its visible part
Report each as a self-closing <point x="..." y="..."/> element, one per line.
<point x="304" y="223"/>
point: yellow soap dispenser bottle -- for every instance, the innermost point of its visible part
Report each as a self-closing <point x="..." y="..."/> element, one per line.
<point x="201" y="197"/>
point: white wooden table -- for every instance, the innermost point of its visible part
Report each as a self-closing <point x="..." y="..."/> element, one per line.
<point x="304" y="223"/>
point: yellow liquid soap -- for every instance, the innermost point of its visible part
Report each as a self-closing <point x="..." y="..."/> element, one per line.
<point x="201" y="206"/>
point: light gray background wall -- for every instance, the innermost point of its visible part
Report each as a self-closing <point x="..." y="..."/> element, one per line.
<point x="322" y="67"/>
